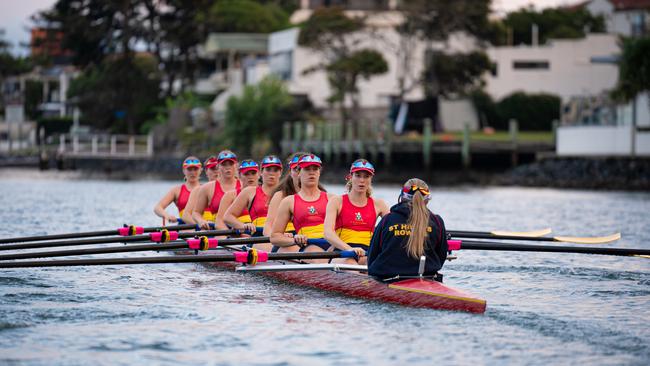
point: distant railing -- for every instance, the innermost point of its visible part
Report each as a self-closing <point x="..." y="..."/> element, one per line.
<point x="105" y="145"/>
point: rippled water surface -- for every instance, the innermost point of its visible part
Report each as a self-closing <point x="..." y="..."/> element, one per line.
<point x="542" y="308"/>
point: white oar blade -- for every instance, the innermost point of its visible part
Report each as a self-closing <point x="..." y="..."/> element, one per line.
<point x="588" y="240"/>
<point x="528" y="234"/>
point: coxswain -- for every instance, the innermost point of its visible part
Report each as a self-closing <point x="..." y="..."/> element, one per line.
<point x="212" y="173"/>
<point x="306" y="209"/>
<point x="180" y="194"/>
<point x="409" y="232"/>
<point x="249" y="176"/>
<point x="350" y="218"/>
<point x="256" y="200"/>
<point x="209" y="195"/>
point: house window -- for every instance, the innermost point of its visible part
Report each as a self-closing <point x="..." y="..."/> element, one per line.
<point x="638" y="24"/>
<point x="281" y="64"/>
<point x="530" y="65"/>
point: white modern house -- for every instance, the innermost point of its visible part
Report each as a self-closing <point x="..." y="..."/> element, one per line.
<point x="291" y="62"/>
<point x="624" y="17"/>
<point x="597" y="126"/>
<point x="567" y="67"/>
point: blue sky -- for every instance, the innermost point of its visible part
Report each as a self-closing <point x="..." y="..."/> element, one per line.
<point x="14" y="15"/>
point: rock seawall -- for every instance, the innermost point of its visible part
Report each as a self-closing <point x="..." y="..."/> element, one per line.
<point x="615" y="173"/>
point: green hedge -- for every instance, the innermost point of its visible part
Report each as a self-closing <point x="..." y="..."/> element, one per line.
<point x="534" y="112"/>
<point x="54" y="125"/>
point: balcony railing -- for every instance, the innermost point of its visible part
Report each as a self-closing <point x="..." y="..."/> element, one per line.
<point x="105" y="145"/>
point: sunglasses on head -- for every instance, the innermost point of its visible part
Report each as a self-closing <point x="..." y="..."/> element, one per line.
<point x="363" y="164"/>
<point x="271" y="160"/>
<point x="192" y="162"/>
<point x="248" y="164"/>
<point x="226" y="155"/>
<point x="310" y="159"/>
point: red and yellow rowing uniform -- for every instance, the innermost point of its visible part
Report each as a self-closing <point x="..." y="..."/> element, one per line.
<point x="213" y="207"/>
<point x="309" y="216"/>
<point x="355" y="225"/>
<point x="183" y="197"/>
<point x="259" y="208"/>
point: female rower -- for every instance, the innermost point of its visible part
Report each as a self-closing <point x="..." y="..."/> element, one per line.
<point x="249" y="176"/>
<point x="180" y="194"/>
<point x="212" y="173"/>
<point x="287" y="187"/>
<point x="351" y="218"/>
<point x="210" y="194"/>
<point x="306" y="209"/>
<point x="407" y="233"/>
<point x="256" y="199"/>
<point x="211" y="168"/>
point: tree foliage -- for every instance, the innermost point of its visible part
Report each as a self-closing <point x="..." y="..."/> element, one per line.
<point x="333" y="34"/>
<point x="457" y="73"/>
<point x="246" y="16"/>
<point x="633" y="68"/>
<point x="252" y="117"/>
<point x="551" y="23"/>
<point x="436" y="21"/>
<point x="10" y="64"/>
<point x="119" y="94"/>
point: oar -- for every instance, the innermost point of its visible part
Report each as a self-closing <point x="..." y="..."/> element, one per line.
<point x="514" y="247"/>
<point x="565" y="239"/>
<point x="127" y="230"/>
<point x="164" y="235"/>
<point x="251" y="257"/>
<point x="492" y="234"/>
<point x="190" y="244"/>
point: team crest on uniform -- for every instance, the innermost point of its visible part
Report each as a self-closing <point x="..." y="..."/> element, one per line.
<point x="358" y="217"/>
<point x="311" y="210"/>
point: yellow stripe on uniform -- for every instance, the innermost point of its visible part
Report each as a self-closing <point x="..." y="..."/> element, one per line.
<point x="260" y="221"/>
<point x="354" y="236"/>
<point x="209" y="216"/>
<point x="244" y="218"/>
<point x="312" y="232"/>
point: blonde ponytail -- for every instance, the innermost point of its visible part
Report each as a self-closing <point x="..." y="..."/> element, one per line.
<point x="418" y="220"/>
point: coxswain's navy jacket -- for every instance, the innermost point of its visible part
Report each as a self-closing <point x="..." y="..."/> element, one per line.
<point x="387" y="256"/>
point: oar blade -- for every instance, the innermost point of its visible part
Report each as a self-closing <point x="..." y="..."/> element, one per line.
<point x="527" y="234"/>
<point x="589" y="240"/>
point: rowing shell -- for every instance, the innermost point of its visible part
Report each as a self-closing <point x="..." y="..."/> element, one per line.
<point x="346" y="280"/>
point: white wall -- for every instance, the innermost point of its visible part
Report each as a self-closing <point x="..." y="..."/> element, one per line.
<point x="570" y="71"/>
<point x="600" y="141"/>
<point x="376" y="91"/>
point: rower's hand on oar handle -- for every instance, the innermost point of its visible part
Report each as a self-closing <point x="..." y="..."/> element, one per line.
<point x="204" y="225"/>
<point x="249" y="228"/>
<point x="170" y="218"/>
<point x="359" y="252"/>
<point x="300" y="240"/>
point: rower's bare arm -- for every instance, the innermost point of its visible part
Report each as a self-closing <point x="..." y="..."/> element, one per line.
<point x="200" y="204"/>
<point x="167" y="200"/>
<point x="278" y="237"/>
<point x="271" y="212"/>
<point x="332" y="212"/>
<point x="242" y="201"/>
<point x="381" y="207"/>
<point x="189" y="207"/>
<point x="225" y="203"/>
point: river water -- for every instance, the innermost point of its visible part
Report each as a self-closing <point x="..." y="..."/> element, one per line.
<point x="542" y="308"/>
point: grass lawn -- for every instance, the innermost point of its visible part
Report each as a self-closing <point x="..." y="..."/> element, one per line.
<point x="498" y="136"/>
